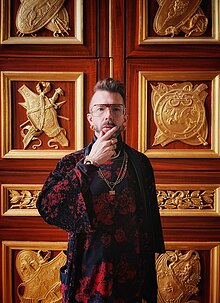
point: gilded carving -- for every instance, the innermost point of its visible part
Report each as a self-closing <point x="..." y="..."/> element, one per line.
<point x="23" y="199"/>
<point x="179" y="113"/>
<point x="178" y="275"/>
<point x="174" y="16"/>
<point x="40" y="277"/>
<point x="33" y="15"/>
<point x="185" y="199"/>
<point x="42" y="116"/>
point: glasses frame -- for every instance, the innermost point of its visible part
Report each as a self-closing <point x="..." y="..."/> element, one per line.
<point x="109" y="106"/>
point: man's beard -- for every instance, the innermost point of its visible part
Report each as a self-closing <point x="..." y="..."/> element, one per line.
<point x="117" y="132"/>
<point x="110" y="123"/>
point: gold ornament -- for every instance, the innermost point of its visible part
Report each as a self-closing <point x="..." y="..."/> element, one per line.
<point x="174" y="16"/>
<point x="186" y="199"/>
<point x="179" y="113"/>
<point x="33" y="15"/>
<point x="40" y="277"/>
<point x="178" y="275"/>
<point x="41" y="113"/>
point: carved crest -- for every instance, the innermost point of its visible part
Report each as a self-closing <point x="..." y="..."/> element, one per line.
<point x="174" y="16"/>
<point x="40" y="277"/>
<point x="178" y="275"/>
<point x="33" y="15"/>
<point x="42" y="116"/>
<point x="179" y="113"/>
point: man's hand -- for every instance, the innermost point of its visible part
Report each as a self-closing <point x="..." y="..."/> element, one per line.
<point x="104" y="147"/>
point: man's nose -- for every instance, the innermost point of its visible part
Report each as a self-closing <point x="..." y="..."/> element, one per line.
<point x="108" y="112"/>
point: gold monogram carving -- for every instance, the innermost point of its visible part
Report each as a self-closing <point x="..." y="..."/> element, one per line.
<point x="40" y="277"/>
<point x="178" y="275"/>
<point x="186" y="199"/>
<point x="24" y="199"/>
<point x="179" y="113"/>
<point x="42" y="115"/>
<point x="174" y="16"/>
<point x="33" y="15"/>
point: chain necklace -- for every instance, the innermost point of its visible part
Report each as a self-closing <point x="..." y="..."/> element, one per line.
<point x="120" y="177"/>
<point x="116" y="155"/>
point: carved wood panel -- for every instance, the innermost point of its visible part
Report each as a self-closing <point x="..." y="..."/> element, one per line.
<point x="164" y="65"/>
<point x="70" y="25"/>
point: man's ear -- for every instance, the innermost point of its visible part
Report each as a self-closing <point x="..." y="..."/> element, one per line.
<point x="89" y="118"/>
<point x="126" y="118"/>
<point x="125" y="122"/>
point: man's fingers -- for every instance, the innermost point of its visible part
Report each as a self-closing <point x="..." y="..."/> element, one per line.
<point x="109" y="133"/>
<point x="101" y="134"/>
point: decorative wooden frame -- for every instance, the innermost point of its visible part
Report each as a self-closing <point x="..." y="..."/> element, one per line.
<point x="143" y="79"/>
<point x="214" y="248"/>
<point x="5" y="37"/>
<point x="6" y="119"/>
<point x="143" y="28"/>
<point x="6" y="210"/>
<point x="192" y="212"/>
<point x="7" y="252"/>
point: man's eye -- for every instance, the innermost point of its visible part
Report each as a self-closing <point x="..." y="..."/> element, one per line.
<point x="116" y="109"/>
<point x="100" y="109"/>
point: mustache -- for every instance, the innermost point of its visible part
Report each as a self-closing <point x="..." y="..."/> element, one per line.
<point x="109" y="123"/>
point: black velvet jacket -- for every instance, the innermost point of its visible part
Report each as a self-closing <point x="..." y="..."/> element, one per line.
<point x="63" y="202"/>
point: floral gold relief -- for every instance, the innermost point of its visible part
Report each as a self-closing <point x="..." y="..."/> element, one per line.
<point x="174" y="16"/>
<point x="179" y="113"/>
<point x="35" y="14"/>
<point x="40" y="276"/>
<point x="42" y="116"/>
<point x="186" y="199"/>
<point x="23" y="199"/>
<point x="19" y="199"/>
<point x="178" y="275"/>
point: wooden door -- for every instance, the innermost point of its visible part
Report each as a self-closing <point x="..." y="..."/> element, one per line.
<point x="164" y="72"/>
<point x="173" y="107"/>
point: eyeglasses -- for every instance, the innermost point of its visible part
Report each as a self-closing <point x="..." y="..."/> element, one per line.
<point x="99" y="110"/>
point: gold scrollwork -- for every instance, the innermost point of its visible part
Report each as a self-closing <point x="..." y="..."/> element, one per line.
<point x="174" y="16"/>
<point x="41" y="113"/>
<point x="40" y="277"/>
<point x="33" y="15"/>
<point x="185" y="199"/>
<point x="23" y="199"/>
<point x="178" y="274"/>
<point x="179" y="113"/>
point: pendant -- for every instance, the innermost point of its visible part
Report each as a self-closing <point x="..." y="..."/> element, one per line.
<point x="112" y="192"/>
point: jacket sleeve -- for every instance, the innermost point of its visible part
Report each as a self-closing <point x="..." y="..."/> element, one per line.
<point x="61" y="201"/>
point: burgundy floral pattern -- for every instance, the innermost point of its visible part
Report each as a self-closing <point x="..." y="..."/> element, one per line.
<point x="117" y="264"/>
<point x="97" y="283"/>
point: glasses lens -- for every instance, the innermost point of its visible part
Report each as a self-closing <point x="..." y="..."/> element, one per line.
<point x="100" y="109"/>
<point x="117" y="109"/>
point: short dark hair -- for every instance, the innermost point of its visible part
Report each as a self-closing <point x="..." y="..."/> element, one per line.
<point x="111" y="85"/>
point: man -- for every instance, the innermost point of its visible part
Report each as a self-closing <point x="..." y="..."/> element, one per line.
<point x="104" y="196"/>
